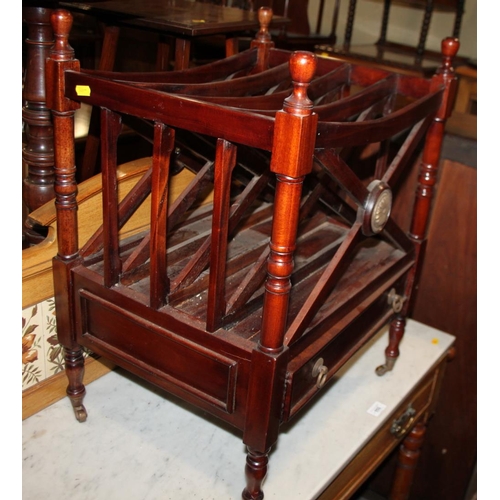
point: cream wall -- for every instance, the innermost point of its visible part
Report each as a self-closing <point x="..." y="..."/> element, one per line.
<point x="404" y="24"/>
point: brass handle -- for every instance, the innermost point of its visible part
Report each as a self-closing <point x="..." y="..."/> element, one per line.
<point x="320" y="371"/>
<point x="395" y="301"/>
<point x="404" y="423"/>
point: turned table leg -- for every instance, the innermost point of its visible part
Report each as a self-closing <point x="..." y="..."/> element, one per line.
<point x="408" y="455"/>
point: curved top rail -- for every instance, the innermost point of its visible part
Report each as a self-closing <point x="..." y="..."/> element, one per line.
<point x="174" y="110"/>
<point x="216" y="70"/>
<point x="342" y="134"/>
<point x="250" y="119"/>
<point x="237" y="98"/>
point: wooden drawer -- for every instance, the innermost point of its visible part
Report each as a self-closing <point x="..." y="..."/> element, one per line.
<point x="301" y="381"/>
<point x="421" y="399"/>
<point x="169" y="357"/>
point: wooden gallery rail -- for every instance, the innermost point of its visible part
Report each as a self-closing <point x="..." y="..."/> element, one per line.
<point x="245" y="307"/>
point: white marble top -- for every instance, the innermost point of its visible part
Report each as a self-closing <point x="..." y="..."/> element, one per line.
<point x="140" y="444"/>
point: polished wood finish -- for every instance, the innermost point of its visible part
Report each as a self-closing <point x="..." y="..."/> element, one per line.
<point x="408" y="455"/>
<point x="423" y="400"/>
<point x="299" y="34"/>
<point x="37" y="280"/>
<point x="447" y="300"/>
<point x="38" y="149"/>
<point x="37" y="260"/>
<point x="230" y="306"/>
<point x="186" y="22"/>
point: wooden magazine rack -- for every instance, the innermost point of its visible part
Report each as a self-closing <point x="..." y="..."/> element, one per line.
<point x="247" y="306"/>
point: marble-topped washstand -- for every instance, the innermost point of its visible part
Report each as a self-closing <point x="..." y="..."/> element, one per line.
<point x="139" y="443"/>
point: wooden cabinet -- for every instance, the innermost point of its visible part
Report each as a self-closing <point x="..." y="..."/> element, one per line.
<point x="408" y="421"/>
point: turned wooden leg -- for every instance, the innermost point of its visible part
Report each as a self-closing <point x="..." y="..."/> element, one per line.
<point x="76" y="390"/>
<point x="408" y="455"/>
<point x="38" y="151"/>
<point x="396" y="331"/>
<point x="255" y="472"/>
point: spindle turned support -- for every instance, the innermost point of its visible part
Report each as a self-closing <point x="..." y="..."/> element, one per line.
<point x="38" y="149"/>
<point x="408" y="455"/>
<point x="255" y="473"/>
<point x="74" y="363"/>
<point x="292" y="160"/>
<point x="444" y="77"/>
<point x="61" y="58"/>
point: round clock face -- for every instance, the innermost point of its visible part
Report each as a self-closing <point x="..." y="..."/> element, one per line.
<point x="381" y="211"/>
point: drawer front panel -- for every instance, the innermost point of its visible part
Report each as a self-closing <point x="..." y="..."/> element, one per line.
<point x="106" y="328"/>
<point x="383" y="442"/>
<point x="301" y="382"/>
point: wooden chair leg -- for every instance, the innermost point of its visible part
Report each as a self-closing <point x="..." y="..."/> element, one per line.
<point x="350" y="23"/>
<point x="425" y="29"/>
<point x="408" y="455"/>
<point x="385" y="23"/>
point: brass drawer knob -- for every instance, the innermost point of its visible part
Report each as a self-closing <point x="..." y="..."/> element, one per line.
<point x="320" y="371"/>
<point x="404" y="423"/>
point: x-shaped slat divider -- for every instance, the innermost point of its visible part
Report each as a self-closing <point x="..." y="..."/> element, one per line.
<point x="186" y="199"/>
<point x="342" y="175"/>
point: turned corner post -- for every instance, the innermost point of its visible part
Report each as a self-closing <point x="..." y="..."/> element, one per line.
<point x="292" y="157"/>
<point x="444" y="78"/>
<point x="63" y="110"/>
<point x="263" y="42"/>
<point x="445" y="81"/>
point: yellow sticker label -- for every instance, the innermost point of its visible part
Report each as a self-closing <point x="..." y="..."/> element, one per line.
<point x="82" y="90"/>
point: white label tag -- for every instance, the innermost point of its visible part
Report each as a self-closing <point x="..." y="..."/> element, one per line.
<point x="376" y="409"/>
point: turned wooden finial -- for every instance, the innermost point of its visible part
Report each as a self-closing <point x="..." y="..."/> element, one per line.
<point x="263" y="41"/>
<point x="265" y="15"/>
<point x="452" y="353"/>
<point x="62" y="22"/>
<point x="302" y="68"/>
<point x="449" y="49"/>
